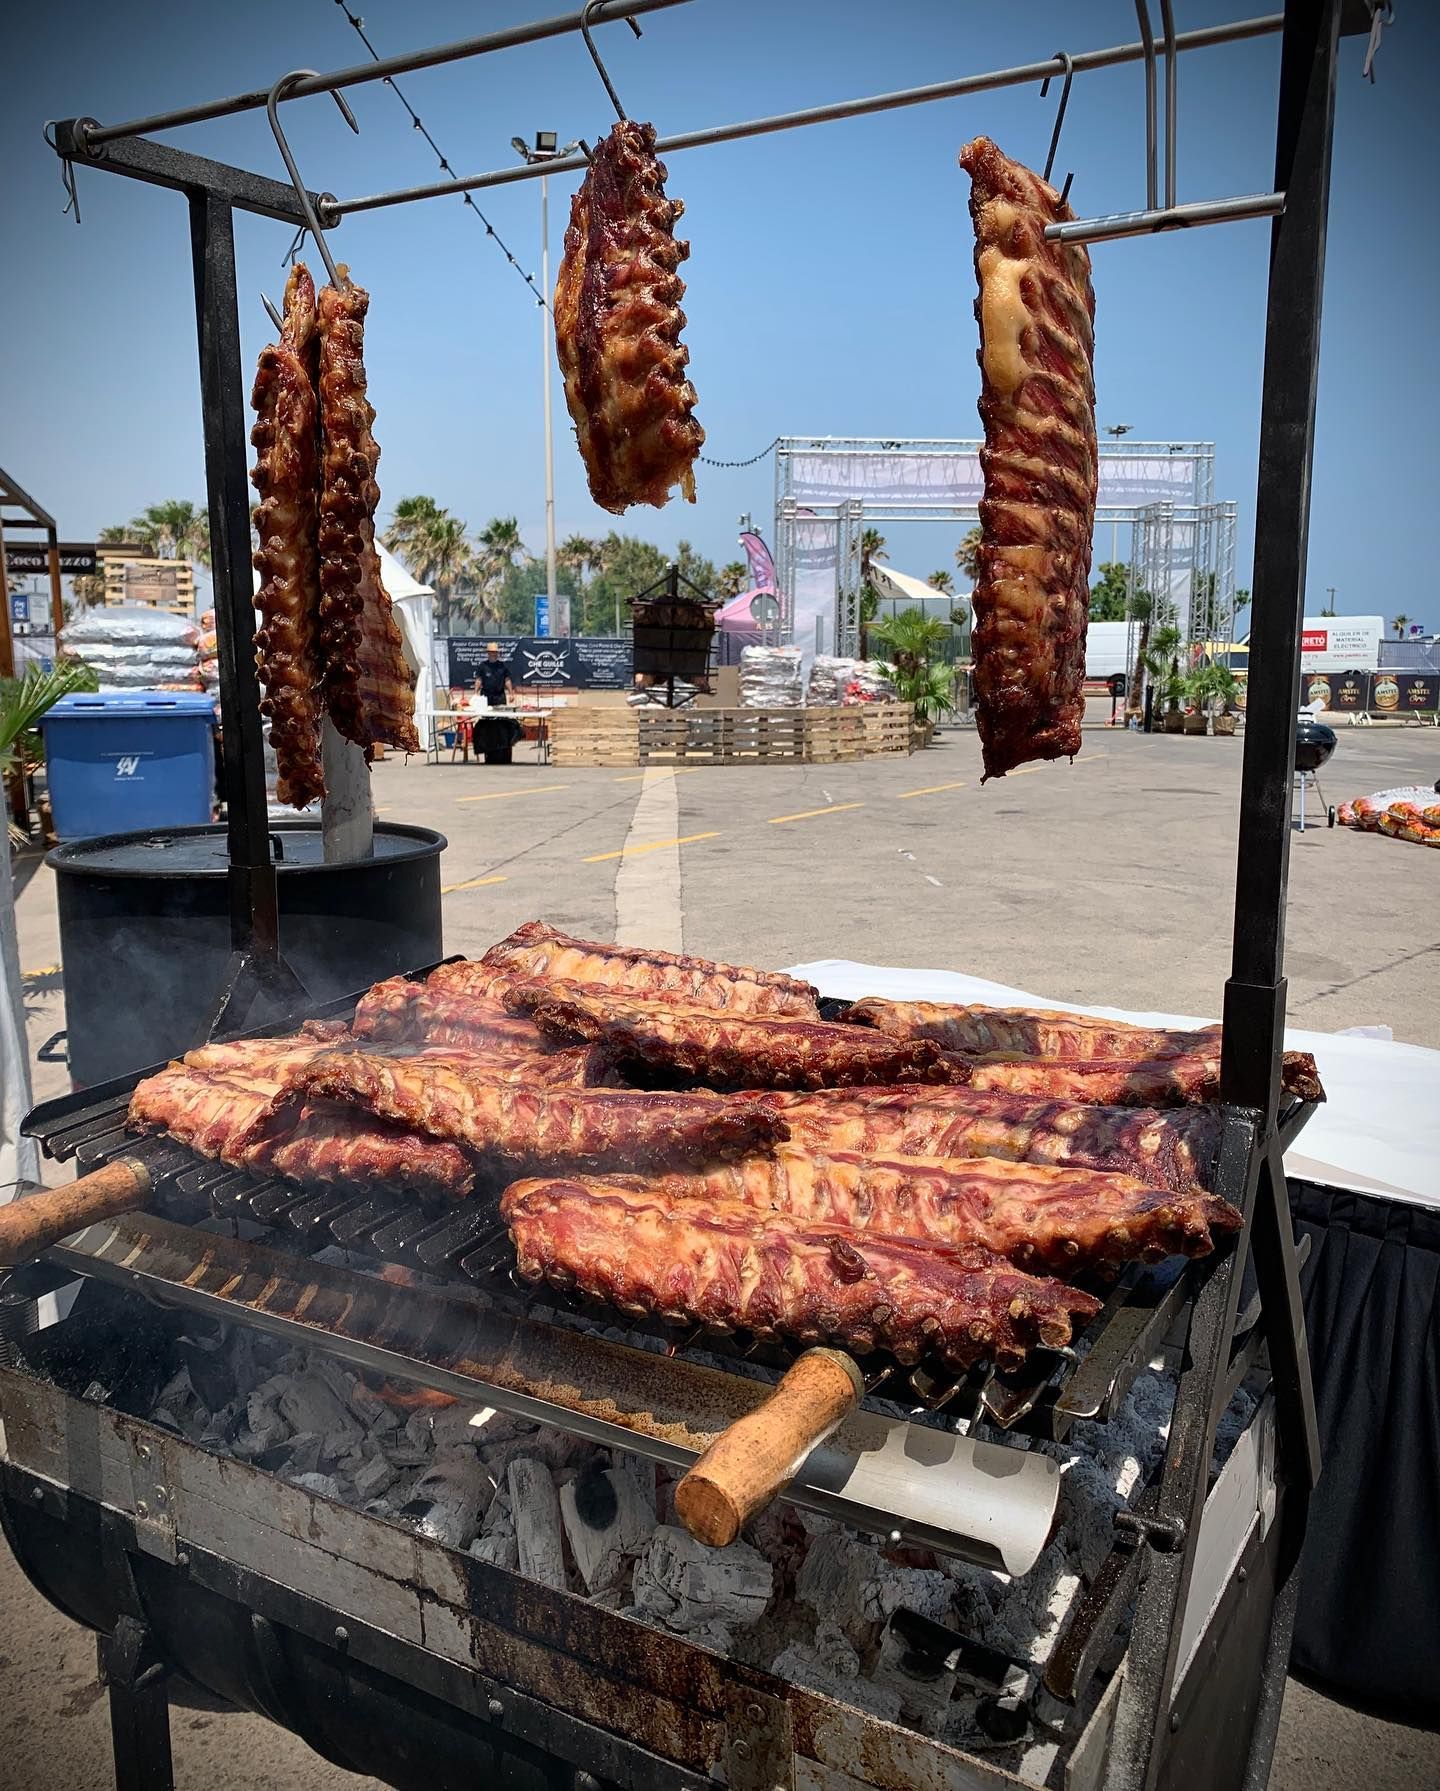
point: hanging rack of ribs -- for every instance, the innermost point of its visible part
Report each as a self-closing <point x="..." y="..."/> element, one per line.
<point x="1066" y="1220"/>
<point x="1031" y="1032"/>
<point x="537" y="952"/>
<point x="1169" y="1149"/>
<point x="369" y="687"/>
<point x="286" y="475"/>
<point x="729" y="1266"/>
<point x="617" y="328"/>
<point x="724" y="1050"/>
<point x="1036" y="311"/>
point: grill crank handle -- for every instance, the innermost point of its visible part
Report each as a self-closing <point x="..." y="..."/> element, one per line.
<point x="33" y="1223"/>
<point x="751" y="1463"/>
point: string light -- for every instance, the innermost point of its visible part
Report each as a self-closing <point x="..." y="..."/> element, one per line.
<point x="358" y="25"/>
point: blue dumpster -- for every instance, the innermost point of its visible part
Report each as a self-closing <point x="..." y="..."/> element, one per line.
<point x="126" y="759"/>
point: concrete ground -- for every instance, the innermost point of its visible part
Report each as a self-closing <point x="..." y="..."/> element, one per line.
<point x="1108" y="881"/>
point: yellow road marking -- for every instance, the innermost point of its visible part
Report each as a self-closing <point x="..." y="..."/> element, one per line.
<point x="509" y="795"/>
<point x="806" y="813"/>
<point x="471" y="883"/>
<point x="687" y="839"/>
<point x="636" y="777"/>
<point x="1081" y="758"/>
<point x="929" y="790"/>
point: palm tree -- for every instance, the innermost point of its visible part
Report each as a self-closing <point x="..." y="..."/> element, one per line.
<point x="941" y="581"/>
<point x="497" y="548"/>
<point x="730" y="580"/>
<point x="410" y="522"/>
<point x="913" y="639"/>
<point x="967" y="555"/>
<point x="1400" y="624"/>
<point x="1142" y="608"/>
<point x="580" y="555"/>
<point x="176" y="523"/>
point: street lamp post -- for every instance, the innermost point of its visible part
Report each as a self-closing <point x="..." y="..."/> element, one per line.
<point x="546" y="149"/>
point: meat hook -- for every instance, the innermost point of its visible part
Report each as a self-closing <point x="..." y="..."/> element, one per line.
<point x="275" y="316"/>
<point x="592" y="6"/>
<point x="312" y="223"/>
<point x="1062" y="57"/>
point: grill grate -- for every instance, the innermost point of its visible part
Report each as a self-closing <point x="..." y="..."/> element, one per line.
<point x="469" y="1242"/>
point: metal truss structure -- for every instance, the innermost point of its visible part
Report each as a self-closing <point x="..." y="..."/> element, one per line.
<point x="829" y="489"/>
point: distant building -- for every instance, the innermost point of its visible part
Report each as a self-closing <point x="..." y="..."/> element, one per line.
<point x="132" y="576"/>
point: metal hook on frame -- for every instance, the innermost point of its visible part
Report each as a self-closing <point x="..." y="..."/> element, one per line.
<point x="67" y="174"/>
<point x="1064" y="58"/>
<point x="592" y="6"/>
<point x="272" y="112"/>
<point x="275" y="316"/>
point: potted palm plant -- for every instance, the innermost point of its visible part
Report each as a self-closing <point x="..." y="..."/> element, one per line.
<point x="920" y="677"/>
<point x="1213" y="688"/>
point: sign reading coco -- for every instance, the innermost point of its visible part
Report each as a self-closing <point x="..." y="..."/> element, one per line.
<point x="1341" y="643"/>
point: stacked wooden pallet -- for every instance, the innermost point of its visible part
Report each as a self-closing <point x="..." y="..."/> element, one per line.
<point x="659" y="737"/>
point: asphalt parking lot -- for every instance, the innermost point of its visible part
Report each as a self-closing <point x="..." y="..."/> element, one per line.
<point x="1108" y="881"/>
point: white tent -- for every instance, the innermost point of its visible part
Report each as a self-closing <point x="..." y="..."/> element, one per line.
<point x="900" y="588"/>
<point x="414" y="610"/>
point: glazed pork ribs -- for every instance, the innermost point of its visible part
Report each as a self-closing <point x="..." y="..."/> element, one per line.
<point x="537" y="952"/>
<point x="723" y="1050"/>
<point x="1036" y="310"/>
<point x="1039" y="1217"/>
<point x="730" y="1266"/>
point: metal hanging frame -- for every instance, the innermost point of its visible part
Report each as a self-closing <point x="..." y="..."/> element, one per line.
<point x="1168" y="1722"/>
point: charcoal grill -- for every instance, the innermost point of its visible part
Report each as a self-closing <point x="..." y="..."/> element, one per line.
<point x="397" y="1657"/>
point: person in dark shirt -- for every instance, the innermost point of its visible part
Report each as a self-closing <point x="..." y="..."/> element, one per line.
<point x="493" y="682"/>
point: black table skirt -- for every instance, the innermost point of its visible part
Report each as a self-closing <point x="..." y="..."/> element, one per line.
<point x="1368" y="1626"/>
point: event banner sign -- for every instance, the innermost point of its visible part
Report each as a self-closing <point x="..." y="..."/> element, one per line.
<point x="950" y="474"/>
<point x="1340" y="643"/>
<point x="1372" y="693"/>
<point x="579" y="662"/>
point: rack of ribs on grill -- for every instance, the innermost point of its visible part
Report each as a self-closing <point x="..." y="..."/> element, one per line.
<point x="617" y="328"/>
<point x="537" y="952"/>
<point x="369" y="687"/>
<point x="724" y="1050"/>
<point x="1175" y="1149"/>
<point x="1160" y="1082"/>
<point x="1036" y="311"/>
<point x="730" y="1267"/>
<point x="250" y="1121"/>
<point x="287" y="469"/>
<point x="409" y="1011"/>
<point x="449" y="1095"/>
<point x="1067" y="1220"/>
<point x="1031" y="1032"/>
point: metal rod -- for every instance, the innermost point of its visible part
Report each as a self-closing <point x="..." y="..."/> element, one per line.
<point x="1147" y="37"/>
<point x="1167" y="25"/>
<point x="272" y="112"/>
<point x="1175" y="217"/>
<point x="1238" y="32"/>
<point x="361" y="73"/>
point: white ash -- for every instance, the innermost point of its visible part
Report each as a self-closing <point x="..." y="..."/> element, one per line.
<point x="802" y="1595"/>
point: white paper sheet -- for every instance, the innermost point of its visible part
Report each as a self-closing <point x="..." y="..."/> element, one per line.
<point x="1377" y="1133"/>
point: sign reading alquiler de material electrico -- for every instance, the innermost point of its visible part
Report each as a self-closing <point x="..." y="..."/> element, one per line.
<point x="1341" y="643"/>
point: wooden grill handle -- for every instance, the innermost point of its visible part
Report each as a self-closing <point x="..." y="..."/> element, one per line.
<point x="753" y="1461"/>
<point x="36" y="1221"/>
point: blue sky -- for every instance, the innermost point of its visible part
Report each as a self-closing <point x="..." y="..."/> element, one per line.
<point x="830" y="278"/>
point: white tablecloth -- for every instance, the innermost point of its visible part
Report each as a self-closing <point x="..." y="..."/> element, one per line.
<point x="1377" y="1133"/>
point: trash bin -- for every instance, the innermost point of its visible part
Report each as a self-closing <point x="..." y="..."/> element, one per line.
<point x="126" y="759"/>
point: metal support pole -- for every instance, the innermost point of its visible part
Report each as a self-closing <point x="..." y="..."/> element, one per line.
<point x="57" y="601"/>
<point x="7" y="645"/>
<point x="254" y="917"/>
<point x="1255" y="994"/>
